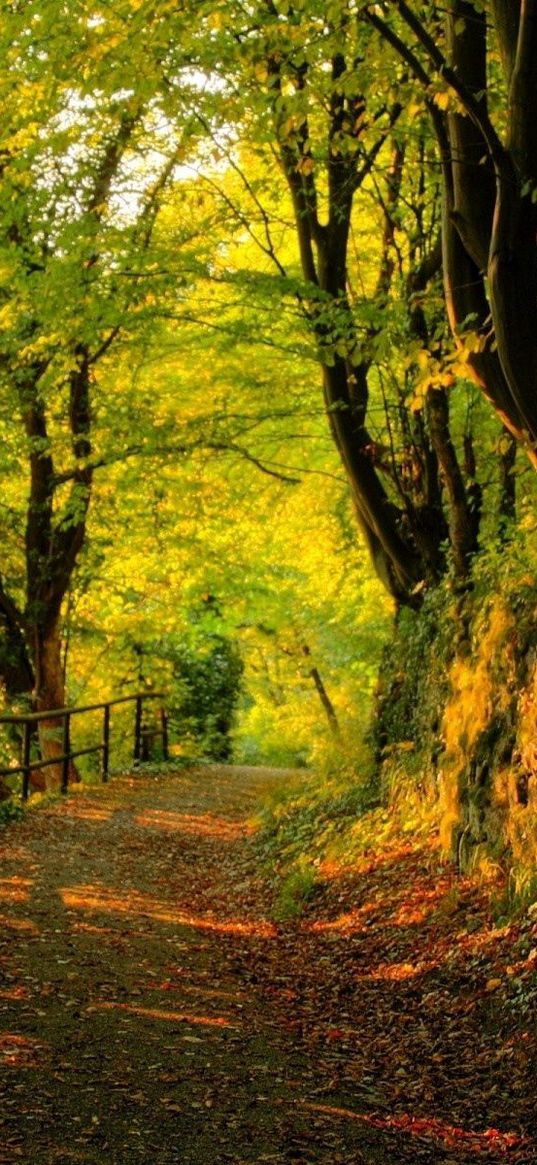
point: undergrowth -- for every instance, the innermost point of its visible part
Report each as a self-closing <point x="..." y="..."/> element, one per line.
<point x="305" y="814"/>
<point x="10" y="810"/>
<point x="13" y="809"/>
<point x="331" y="817"/>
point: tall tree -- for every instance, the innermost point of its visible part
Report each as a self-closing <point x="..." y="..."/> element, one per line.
<point x="78" y="207"/>
<point x="340" y="142"/>
<point x="484" y="121"/>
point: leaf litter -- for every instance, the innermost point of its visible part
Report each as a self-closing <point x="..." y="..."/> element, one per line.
<point x="154" y="1012"/>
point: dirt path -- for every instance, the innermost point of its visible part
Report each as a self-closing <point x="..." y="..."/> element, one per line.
<point x="152" y="1013"/>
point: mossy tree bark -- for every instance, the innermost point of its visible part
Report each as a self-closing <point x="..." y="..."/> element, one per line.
<point x="402" y="520"/>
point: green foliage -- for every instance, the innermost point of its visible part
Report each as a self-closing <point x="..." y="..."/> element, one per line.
<point x="308" y="815"/>
<point x="523" y="996"/>
<point x="170" y="315"/>
<point x="13" y="809"/>
<point x="455" y="722"/>
<point x="10" y="810"/>
<point x="202" y="703"/>
<point x="413" y="684"/>
<point x="257" y="741"/>
<point x="296" y="890"/>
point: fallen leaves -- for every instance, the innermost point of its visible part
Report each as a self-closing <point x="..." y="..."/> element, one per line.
<point x="150" y="1002"/>
<point x="493" y="984"/>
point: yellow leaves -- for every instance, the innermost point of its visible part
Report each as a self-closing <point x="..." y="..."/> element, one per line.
<point x="414" y="110"/>
<point x="8" y="316"/>
<point x="434" y="375"/>
<point x="16" y="142"/>
<point x="470" y="343"/>
<point x="443" y="374"/>
<point x="261" y="72"/>
<point x="39" y="346"/>
<point x="477" y="695"/>
<point x="503" y="444"/>
<point x="103" y="42"/>
<point x="446" y="99"/>
<point x="291" y="125"/>
<point x="493" y="984"/>
<point x="442" y="99"/>
<point x="217" y="20"/>
<point x="305" y="166"/>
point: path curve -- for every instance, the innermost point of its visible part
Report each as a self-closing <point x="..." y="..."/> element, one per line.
<point x="152" y="1013"/>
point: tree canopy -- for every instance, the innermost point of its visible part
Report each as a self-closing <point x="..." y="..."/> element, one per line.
<point x="268" y="282"/>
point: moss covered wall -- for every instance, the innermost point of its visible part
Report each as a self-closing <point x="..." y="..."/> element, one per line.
<point x="457" y="713"/>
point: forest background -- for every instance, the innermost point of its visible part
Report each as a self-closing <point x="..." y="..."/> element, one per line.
<point x="268" y="355"/>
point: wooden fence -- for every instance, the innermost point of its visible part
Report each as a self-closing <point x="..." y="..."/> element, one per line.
<point x="143" y="736"/>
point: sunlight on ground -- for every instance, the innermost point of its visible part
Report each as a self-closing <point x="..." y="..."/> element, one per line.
<point x="15" y="889"/>
<point x="331" y="869"/>
<point x="205" y="825"/>
<point x="104" y="900"/>
<point x="85" y="803"/>
<point x="427" y="1127"/>
<point x="18" y="1051"/>
<point x="353" y="920"/>
<point x="403" y="907"/>
<point x="436" y="952"/>
<point x="18" y="924"/>
<point x="528" y="964"/>
<point x="479" y="941"/>
<point x="118" y="937"/>
<point x="420" y="904"/>
<point x="410" y="908"/>
<point x="402" y="915"/>
<point x="373" y="913"/>
<point x="89" y="928"/>
<point x="81" y="812"/>
<point x="16" y="853"/>
<point x="190" y="989"/>
<point x="158" y="1013"/>
<point x="398" y="972"/>
<point x="14" y="993"/>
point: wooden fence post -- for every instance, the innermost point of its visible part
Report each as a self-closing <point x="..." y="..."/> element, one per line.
<point x="26" y="751"/>
<point x="105" y="755"/>
<point x="138" y="731"/>
<point x="165" y="742"/>
<point x="66" y="749"/>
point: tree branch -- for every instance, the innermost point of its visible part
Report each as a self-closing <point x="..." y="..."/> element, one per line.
<point x="473" y="106"/>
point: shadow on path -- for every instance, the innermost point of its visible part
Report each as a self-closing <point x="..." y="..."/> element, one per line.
<point x="152" y="1012"/>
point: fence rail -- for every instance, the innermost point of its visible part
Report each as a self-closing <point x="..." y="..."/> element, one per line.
<point x="143" y="737"/>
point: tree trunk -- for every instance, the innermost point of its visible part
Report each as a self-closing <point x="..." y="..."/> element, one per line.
<point x="490" y="206"/>
<point x="462" y="527"/>
<point x="50" y="695"/>
<point x="507" y="506"/>
<point x="328" y="707"/>
<point x="397" y="564"/>
<point x="16" y="672"/>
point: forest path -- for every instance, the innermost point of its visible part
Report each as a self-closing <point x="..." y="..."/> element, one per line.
<point x="152" y="1013"/>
